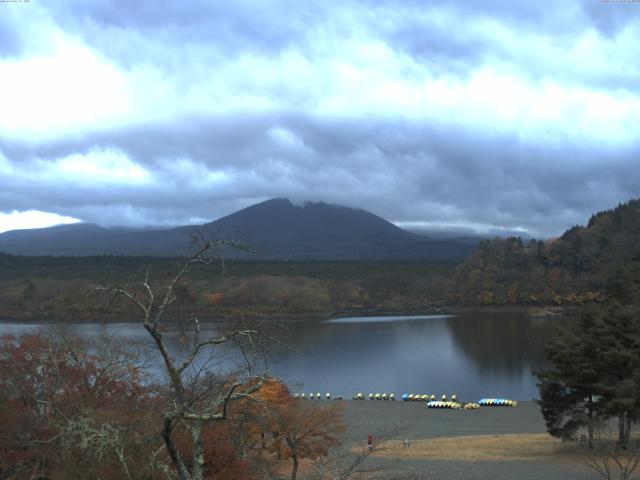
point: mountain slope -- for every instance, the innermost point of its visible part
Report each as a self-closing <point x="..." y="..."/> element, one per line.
<point x="275" y="229"/>
<point x="279" y="219"/>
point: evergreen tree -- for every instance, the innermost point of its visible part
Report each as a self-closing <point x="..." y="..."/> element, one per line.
<point x="595" y="371"/>
<point x="569" y="390"/>
<point x="620" y="344"/>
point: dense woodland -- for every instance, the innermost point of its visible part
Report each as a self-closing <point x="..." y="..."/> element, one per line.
<point x="572" y="269"/>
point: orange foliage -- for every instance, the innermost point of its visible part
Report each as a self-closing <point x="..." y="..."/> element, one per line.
<point x="45" y="384"/>
<point x="217" y="298"/>
<point x="275" y="392"/>
<point x="223" y="457"/>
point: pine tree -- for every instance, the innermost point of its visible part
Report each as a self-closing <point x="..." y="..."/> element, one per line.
<point x="595" y="371"/>
<point x="569" y="390"/>
<point x="620" y="343"/>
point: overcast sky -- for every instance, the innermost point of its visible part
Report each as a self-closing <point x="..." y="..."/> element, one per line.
<point x="491" y="115"/>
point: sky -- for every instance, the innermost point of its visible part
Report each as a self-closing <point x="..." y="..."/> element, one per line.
<point x="486" y="116"/>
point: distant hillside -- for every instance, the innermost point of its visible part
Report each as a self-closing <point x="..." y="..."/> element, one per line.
<point x="570" y="269"/>
<point x="275" y="229"/>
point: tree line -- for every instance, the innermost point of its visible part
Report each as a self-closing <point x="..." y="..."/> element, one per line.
<point x="570" y="270"/>
<point x="50" y="288"/>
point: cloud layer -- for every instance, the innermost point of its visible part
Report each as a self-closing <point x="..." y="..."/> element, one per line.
<point x="467" y="114"/>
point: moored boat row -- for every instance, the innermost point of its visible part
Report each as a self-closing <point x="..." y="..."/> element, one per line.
<point x="430" y="399"/>
<point x="410" y="397"/>
<point x="497" y="402"/>
<point x="375" y="396"/>
<point x="316" y="396"/>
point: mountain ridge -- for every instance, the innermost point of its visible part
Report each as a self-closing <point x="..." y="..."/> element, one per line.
<point x="276" y="228"/>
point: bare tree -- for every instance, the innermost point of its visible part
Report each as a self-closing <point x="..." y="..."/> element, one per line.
<point x="612" y="460"/>
<point x="197" y="396"/>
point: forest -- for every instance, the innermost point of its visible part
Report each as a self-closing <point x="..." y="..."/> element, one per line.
<point x="570" y="270"/>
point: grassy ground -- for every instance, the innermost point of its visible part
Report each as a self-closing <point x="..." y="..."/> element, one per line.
<point x="498" y="443"/>
<point x="480" y="448"/>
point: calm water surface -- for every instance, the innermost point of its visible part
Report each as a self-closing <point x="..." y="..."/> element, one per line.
<point x="473" y="355"/>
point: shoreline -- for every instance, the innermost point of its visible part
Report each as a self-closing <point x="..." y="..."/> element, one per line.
<point x="534" y="311"/>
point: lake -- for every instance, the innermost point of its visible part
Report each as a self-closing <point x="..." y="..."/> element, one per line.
<point x="473" y="355"/>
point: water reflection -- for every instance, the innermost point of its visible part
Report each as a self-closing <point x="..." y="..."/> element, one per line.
<point x="498" y="344"/>
<point x="473" y="355"/>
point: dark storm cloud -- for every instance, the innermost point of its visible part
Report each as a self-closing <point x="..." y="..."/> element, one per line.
<point x="486" y="114"/>
<point x="270" y="27"/>
<point x="405" y="171"/>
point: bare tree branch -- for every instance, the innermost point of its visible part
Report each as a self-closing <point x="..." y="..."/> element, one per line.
<point x="191" y="407"/>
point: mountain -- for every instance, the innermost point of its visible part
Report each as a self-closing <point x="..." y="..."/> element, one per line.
<point x="275" y="229"/>
<point x="571" y="269"/>
<point x="278" y="219"/>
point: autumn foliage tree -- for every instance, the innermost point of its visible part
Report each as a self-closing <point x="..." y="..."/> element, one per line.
<point x="69" y="414"/>
<point x="296" y="429"/>
<point x="65" y="413"/>
<point x="306" y="431"/>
